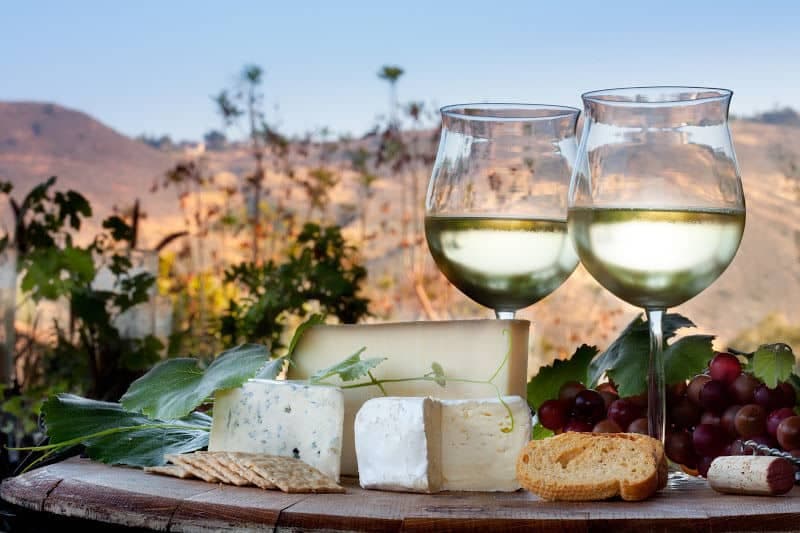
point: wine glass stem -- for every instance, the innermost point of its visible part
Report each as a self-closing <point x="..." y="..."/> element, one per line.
<point x="504" y="315"/>
<point x="656" y="405"/>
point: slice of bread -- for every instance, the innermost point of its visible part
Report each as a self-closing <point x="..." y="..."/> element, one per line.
<point x="593" y="466"/>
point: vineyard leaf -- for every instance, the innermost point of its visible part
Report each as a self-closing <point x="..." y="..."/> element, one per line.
<point x="349" y="369"/>
<point x="687" y="357"/>
<point x="629" y="354"/>
<point x="274" y="367"/>
<point x="545" y="384"/>
<point x="114" y="435"/>
<point x="772" y="363"/>
<point x="540" y="432"/>
<point x="175" y="387"/>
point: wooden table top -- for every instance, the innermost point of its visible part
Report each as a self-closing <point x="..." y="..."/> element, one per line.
<point x="127" y="496"/>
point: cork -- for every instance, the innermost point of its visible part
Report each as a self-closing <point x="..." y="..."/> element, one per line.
<point x="753" y="475"/>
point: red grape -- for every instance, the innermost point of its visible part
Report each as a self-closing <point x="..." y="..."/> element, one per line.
<point x="569" y="390"/>
<point x="608" y="398"/>
<point x="714" y="396"/>
<point x="695" y="386"/>
<point x="606" y="387"/>
<point x="703" y="464"/>
<point x="623" y="412"/>
<point x="789" y="433"/>
<point x="775" y="418"/>
<point x="677" y="391"/>
<point x="743" y="387"/>
<point x="639" y="425"/>
<point x="607" y="426"/>
<point x="683" y="413"/>
<point x="578" y="425"/>
<point x="589" y="406"/>
<point x="789" y="394"/>
<point x="751" y="421"/>
<point x="725" y="367"/>
<point x="679" y="448"/>
<point x="639" y="399"/>
<point x="553" y="414"/>
<point x="709" y="440"/>
<point x="768" y="398"/>
<point x="728" y="420"/>
<point x="711" y="418"/>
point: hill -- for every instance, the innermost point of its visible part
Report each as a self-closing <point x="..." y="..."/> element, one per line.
<point x="37" y="140"/>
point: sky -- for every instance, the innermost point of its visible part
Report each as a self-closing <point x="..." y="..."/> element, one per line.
<point x="152" y="66"/>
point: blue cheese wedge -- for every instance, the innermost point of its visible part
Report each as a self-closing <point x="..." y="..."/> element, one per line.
<point x="428" y="445"/>
<point x="284" y="418"/>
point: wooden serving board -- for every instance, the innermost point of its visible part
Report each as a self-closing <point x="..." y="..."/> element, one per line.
<point x="127" y="496"/>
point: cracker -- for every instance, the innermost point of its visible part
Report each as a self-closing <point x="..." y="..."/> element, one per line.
<point x="221" y="466"/>
<point x="290" y="474"/>
<point x="232" y="461"/>
<point x="169" y="470"/>
<point x="195" y="467"/>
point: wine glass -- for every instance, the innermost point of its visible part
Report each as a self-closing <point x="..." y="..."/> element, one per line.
<point x="496" y="210"/>
<point x="656" y="208"/>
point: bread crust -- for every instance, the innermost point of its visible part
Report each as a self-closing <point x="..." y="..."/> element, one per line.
<point x="593" y="466"/>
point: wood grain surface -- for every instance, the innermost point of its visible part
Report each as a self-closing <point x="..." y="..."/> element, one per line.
<point x="84" y="489"/>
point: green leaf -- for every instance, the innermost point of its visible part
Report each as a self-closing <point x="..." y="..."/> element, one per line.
<point x="350" y="369"/>
<point x="772" y="363"/>
<point x="627" y="357"/>
<point x="273" y="368"/>
<point x="438" y="374"/>
<point x="173" y="388"/>
<point x="114" y="435"/>
<point x="687" y="357"/>
<point x="544" y="385"/>
<point x="313" y="320"/>
<point x="540" y="432"/>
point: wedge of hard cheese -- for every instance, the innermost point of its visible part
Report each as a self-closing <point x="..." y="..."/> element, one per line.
<point x="283" y="418"/>
<point x="427" y="445"/>
<point x="468" y="349"/>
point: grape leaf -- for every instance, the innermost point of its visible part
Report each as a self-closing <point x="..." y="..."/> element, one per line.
<point x="175" y="387"/>
<point x="545" y="384"/>
<point x="540" y="432"/>
<point x="438" y="374"/>
<point x="772" y="363"/>
<point x="350" y="369"/>
<point x="274" y="367"/>
<point x="627" y="357"/>
<point x="683" y="359"/>
<point x="114" y="435"/>
<point x="687" y="357"/>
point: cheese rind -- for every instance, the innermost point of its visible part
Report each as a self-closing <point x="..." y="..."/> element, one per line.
<point x="477" y="454"/>
<point x="467" y="349"/>
<point x="398" y="444"/>
<point x="283" y="418"/>
<point x="427" y="445"/>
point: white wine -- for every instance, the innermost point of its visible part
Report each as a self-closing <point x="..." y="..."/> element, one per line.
<point x="656" y="258"/>
<point x="502" y="263"/>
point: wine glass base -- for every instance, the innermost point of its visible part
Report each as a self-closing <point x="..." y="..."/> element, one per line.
<point x="678" y="479"/>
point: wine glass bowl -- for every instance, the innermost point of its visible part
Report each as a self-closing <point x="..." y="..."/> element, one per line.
<point x="656" y="207"/>
<point x="496" y="203"/>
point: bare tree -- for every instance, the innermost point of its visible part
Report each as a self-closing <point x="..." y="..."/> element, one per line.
<point x="391" y="73"/>
<point x="248" y="101"/>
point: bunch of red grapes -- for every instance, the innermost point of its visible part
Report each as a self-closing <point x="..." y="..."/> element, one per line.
<point x="710" y="416"/>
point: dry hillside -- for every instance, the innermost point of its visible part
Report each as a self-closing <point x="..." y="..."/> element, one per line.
<point x="37" y="140"/>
